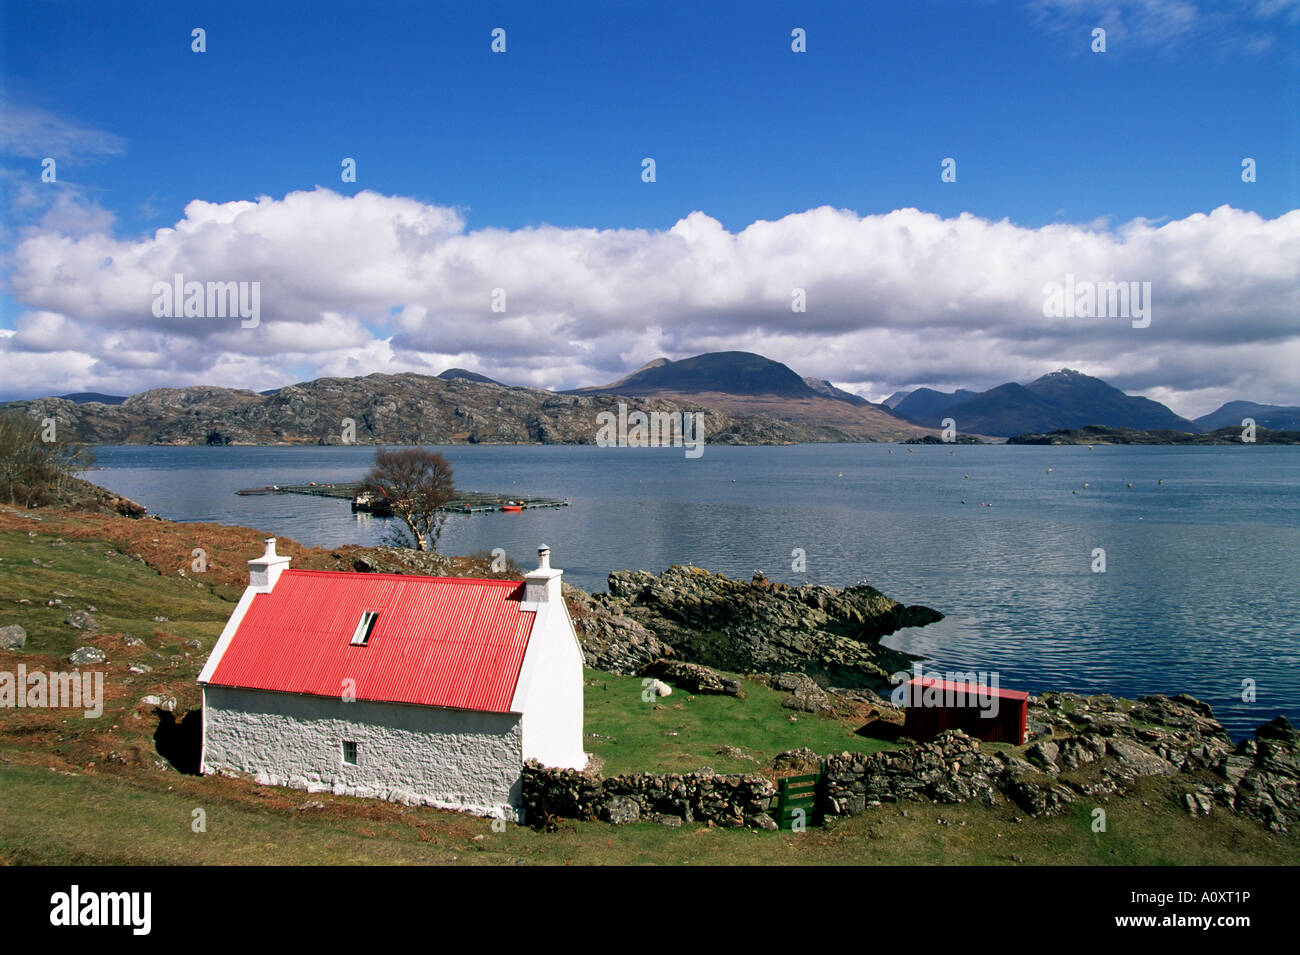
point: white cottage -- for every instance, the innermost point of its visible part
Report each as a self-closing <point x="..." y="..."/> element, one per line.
<point x="428" y="690"/>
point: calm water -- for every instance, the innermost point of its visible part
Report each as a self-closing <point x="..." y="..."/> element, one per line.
<point x="1199" y="592"/>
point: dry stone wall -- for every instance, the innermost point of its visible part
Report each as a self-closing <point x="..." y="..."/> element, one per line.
<point x="669" y="798"/>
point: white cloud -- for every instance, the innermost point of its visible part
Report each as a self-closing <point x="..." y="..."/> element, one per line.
<point x="35" y="133"/>
<point x="1171" y="27"/>
<point x="353" y="285"/>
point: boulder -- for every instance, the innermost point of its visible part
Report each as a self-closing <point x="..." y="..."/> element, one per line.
<point x="620" y="810"/>
<point x="1136" y="759"/>
<point x="81" y="620"/>
<point x="1039" y="799"/>
<point x="12" y="637"/>
<point x="84" y="656"/>
<point x="692" y="677"/>
<point x="805" y="694"/>
<point x="1043" y="754"/>
<point x="1277" y="729"/>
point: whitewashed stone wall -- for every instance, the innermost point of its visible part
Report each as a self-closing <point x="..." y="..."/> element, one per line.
<point x="451" y="759"/>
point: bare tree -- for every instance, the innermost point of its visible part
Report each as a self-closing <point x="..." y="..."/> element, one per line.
<point x="416" y="483"/>
<point x="36" y="468"/>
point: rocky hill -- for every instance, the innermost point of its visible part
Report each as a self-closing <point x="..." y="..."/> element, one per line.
<point x="422" y="409"/>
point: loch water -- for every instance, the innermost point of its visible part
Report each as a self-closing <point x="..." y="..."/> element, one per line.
<point x="1202" y="551"/>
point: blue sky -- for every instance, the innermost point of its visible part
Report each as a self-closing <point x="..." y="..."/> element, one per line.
<point x="553" y="132"/>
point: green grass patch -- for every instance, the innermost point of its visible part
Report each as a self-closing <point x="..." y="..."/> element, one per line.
<point x="125" y="593"/>
<point x="87" y="819"/>
<point x="681" y="733"/>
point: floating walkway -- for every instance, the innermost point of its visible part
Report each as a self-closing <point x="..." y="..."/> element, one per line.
<point x="465" y="502"/>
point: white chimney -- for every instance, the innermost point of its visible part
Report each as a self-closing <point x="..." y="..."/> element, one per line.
<point x="543" y="584"/>
<point x="264" y="571"/>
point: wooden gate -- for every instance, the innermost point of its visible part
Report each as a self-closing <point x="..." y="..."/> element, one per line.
<point x="796" y="801"/>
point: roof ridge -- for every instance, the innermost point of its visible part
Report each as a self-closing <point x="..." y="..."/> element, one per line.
<point x="498" y="581"/>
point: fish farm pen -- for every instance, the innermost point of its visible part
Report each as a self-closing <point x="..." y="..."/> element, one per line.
<point x="465" y="502"/>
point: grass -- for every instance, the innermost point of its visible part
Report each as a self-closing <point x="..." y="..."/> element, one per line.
<point x="682" y="733"/>
<point x="95" y="819"/>
<point x="92" y="791"/>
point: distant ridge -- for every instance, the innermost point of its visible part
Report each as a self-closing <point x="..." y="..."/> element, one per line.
<point x="452" y="374"/>
<point x="1064" y="399"/>
<point x="925" y="405"/>
<point x="85" y="397"/>
<point x="824" y="387"/>
<point x="1230" y="415"/>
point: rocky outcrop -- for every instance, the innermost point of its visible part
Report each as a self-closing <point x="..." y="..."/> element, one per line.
<point x="78" y="495"/>
<point x="612" y="641"/>
<point x="744" y="626"/>
<point x="1263" y="774"/>
<point x="693" y="678"/>
<point x="1101" y="747"/>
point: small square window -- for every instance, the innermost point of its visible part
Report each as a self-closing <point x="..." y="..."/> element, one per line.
<point x="365" y="626"/>
<point x="349" y="752"/>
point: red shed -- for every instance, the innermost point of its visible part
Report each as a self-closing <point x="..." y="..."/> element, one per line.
<point x="982" y="711"/>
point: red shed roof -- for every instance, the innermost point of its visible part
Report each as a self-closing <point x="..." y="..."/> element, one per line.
<point x="437" y="641"/>
<point x="967" y="689"/>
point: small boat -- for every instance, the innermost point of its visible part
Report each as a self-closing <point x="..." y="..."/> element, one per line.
<point x="512" y="507"/>
<point x="370" y="503"/>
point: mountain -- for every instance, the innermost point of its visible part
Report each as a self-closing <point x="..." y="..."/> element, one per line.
<point x="727" y="372"/>
<point x="451" y="374"/>
<point x="825" y="388"/>
<point x="927" y="406"/>
<point x="85" y="397"/>
<point x="1064" y="399"/>
<point x="893" y="400"/>
<point x="1087" y="400"/>
<point x="1276" y="417"/>
<point x="741" y="383"/>
<point x="654" y="363"/>
<point x="1005" y="410"/>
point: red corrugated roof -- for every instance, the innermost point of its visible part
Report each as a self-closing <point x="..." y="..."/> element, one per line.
<point x="438" y="641"/>
<point x="968" y="689"/>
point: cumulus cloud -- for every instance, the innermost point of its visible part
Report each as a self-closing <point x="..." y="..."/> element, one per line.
<point x="354" y="285"/>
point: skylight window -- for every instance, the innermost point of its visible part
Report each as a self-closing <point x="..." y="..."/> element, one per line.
<point x="361" y="637"/>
